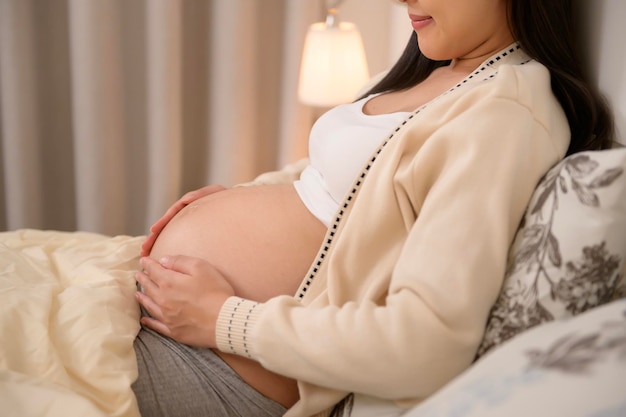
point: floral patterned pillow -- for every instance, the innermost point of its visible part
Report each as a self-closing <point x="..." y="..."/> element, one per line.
<point x="569" y="252"/>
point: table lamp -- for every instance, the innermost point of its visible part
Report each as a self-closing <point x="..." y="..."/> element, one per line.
<point x="334" y="66"/>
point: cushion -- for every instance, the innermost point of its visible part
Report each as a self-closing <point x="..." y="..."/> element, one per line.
<point x="571" y="367"/>
<point x="569" y="252"/>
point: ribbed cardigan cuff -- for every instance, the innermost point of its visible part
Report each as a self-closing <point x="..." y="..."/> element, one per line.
<point x="235" y="322"/>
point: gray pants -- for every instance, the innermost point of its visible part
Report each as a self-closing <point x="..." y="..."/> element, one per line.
<point x="176" y="380"/>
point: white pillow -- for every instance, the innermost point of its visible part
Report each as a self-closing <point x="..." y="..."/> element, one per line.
<point x="572" y="367"/>
<point x="569" y="252"/>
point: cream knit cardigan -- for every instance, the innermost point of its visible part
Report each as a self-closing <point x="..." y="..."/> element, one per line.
<point x="396" y="302"/>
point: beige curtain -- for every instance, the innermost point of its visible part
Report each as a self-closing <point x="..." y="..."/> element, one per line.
<point x="111" y="109"/>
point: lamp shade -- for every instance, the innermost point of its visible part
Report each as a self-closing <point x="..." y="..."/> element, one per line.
<point x="333" y="67"/>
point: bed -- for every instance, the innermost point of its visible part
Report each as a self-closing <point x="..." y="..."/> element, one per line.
<point x="68" y="319"/>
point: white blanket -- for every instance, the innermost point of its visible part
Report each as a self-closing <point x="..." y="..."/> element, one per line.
<point x="67" y="324"/>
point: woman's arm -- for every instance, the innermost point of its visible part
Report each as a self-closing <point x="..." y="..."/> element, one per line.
<point x="483" y="167"/>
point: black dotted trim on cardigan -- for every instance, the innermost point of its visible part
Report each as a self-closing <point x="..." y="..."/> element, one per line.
<point x="347" y="200"/>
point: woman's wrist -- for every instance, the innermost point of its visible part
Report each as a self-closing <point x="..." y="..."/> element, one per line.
<point x="235" y="323"/>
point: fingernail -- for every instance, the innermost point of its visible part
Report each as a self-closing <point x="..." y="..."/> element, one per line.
<point x="164" y="260"/>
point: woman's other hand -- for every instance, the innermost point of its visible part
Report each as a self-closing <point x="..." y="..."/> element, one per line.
<point x="184" y="296"/>
<point x="186" y="199"/>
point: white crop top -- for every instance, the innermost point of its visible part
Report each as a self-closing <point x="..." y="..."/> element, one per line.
<point x="341" y="140"/>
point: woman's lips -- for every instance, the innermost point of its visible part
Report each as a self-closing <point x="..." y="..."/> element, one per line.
<point x="419" y="22"/>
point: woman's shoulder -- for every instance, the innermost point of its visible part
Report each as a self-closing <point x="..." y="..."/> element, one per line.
<point x="504" y="95"/>
<point x="519" y="77"/>
<point x="526" y="82"/>
<point x="511" y="72"/>
<point x="530" y="78"/>
<point x="530" y="85"/>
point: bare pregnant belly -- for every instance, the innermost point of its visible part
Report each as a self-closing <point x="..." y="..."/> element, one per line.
<point x="263" y="239"/>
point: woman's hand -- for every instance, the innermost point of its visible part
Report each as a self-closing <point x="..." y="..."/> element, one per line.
<point x="184" y="296"/>
<point x="186" y="199"/>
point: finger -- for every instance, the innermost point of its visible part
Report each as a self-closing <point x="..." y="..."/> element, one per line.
<point x="213" y="188"/>
<point x="160" y="224"/>
<point x="187" y="265"/>
<point x="202" y="192"/>
<point x="147" y="244"/>
<point x="156" y="325"/>
<point x="149" y="292"/>
<point x="160" y="275"/>
<point x="155" y="231"/>
<point x="149" y="287"/>
<point x="173" y="210"/>
<point x="149" y="304"/>
<point x="149" y="270"/>
<point x="188" y="198"/>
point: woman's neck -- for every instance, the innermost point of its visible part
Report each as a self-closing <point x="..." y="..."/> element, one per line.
<point x="467" y="64"/>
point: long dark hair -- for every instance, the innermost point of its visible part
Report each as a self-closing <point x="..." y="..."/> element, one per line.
<point x="544" y="30"/>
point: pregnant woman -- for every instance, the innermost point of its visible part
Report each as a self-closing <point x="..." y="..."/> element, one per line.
<point x="264" y="238"/>
<point x="373" y="273"/>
